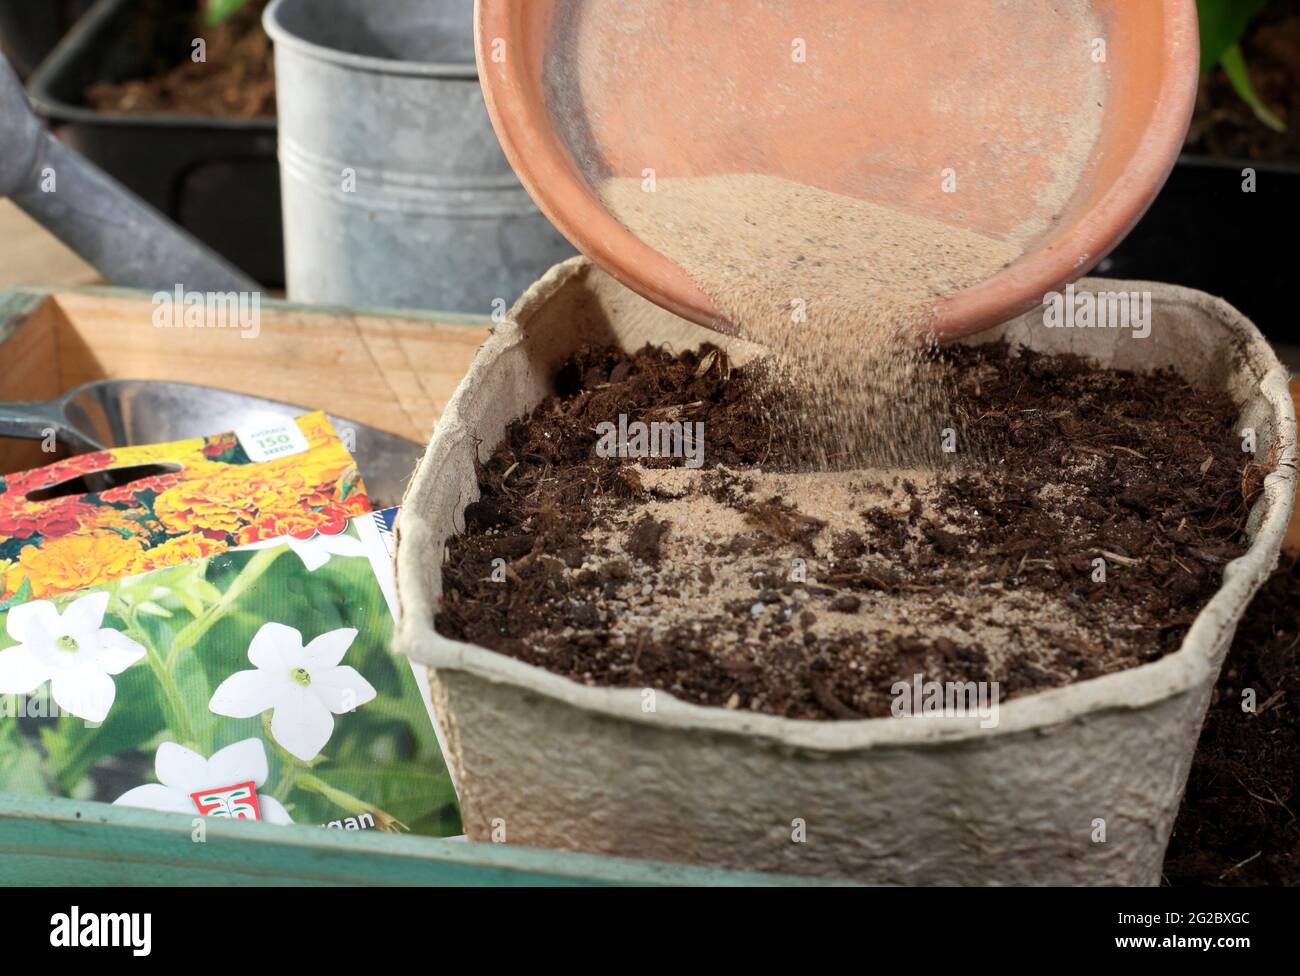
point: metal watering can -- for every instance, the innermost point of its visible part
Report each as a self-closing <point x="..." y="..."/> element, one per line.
<point x="128" y="241"/>
<point x="132" y="244"/>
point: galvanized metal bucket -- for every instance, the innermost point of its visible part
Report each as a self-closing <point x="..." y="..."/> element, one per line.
<point x="396" y="192"/>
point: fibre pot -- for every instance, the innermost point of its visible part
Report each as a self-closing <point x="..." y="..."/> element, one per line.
<point x="395" y="190"/>
<point x="1077" y="785"/>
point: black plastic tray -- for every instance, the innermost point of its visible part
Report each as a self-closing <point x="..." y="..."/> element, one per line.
<point x="1204" y="232"/>
<point x="218" y="178"/>
<point x="29" y="29"/>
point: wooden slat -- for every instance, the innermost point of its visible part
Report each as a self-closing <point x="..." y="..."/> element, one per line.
<point x="29" y="370"/>
<point x="389" y="371"/>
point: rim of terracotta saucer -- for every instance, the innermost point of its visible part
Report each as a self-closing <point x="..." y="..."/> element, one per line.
<point x="517" y="108"/>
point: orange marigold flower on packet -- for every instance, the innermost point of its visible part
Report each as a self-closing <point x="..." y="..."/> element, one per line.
<point x="203" y="509"/>
<point x="53" y="519"/>
<point x="128" y="492"/>
<point x="22" y="483"/>
<point x="218" y="503"/>
<point x="183" y="549"/>
<point x="20" y="523"/>
<point x="75" y="561"/>
<point x="278" y="526"/>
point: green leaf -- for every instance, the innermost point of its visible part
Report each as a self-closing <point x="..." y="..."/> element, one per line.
<point x="219" y="10"/>
<point x="74" y="747"/>
<point x="1234" y="64"/>
<point x="21" y="595"/>
<point x="1223" y="24"/>
<point x="192" y="605"/>
<point x="409" y="792"/>
<point x="191" y="590"/>
<point x="196" y="692"/>
<point x="204" y="590"/>
<point x="22" y="770"/>
<point x="133" y="589"/>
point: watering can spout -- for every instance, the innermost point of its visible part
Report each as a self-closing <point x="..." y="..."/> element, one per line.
<point x="21" y="132"/>
<point x="124" y="238"/>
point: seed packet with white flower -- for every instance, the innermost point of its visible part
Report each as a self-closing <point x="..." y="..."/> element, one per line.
<point x="256" y="684"/>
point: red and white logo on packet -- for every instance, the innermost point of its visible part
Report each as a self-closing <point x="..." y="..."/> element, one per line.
<point x="237" y="802"/>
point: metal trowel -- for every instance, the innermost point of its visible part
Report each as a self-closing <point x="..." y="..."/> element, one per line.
<point x="116" y="413"/>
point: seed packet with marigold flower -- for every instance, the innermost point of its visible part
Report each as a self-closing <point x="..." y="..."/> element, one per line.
<point x="103" y="516"/>
<point x="255" y="684"/>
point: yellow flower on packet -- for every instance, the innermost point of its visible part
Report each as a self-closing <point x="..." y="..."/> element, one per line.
<point x="96" y="517"/>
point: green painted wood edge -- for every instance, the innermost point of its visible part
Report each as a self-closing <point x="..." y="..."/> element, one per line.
<point x="21" y="300"/>
<point x="15" y="305"/>
<point x="55" y="841"/>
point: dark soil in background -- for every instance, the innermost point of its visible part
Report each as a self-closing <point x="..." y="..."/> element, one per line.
<point x="1224" y="126"/>
<point x="1238" y="821"/>
<point x="237" y="79"/>
<point x="1166" y="494"/>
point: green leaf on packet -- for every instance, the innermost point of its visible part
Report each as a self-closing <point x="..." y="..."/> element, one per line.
<point x="21" y="766"/>
<point x="21" y="595"/>
<point x="407" y="791"/>
<point x="195" y="625"/>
